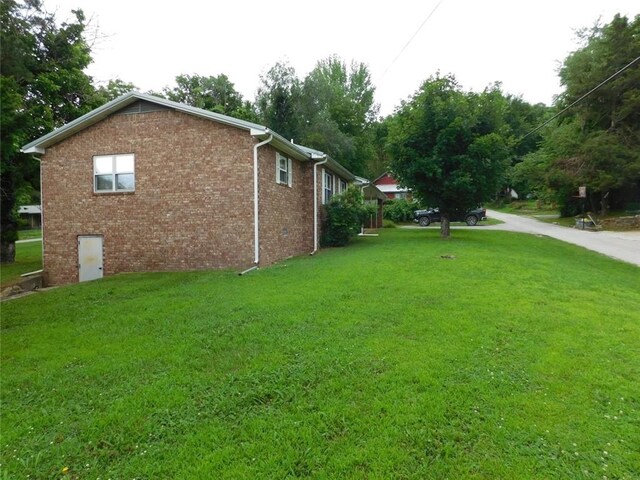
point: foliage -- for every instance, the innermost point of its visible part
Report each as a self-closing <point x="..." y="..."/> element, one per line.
<point x="377" y="134"/>
<point x="337" y="108"/>
<point x="278" y="101"/>
<point x="449" y="146"/>
<point x="597" y="142"/>
<point x="382" y="360"/>
<point x="42" y="86"/>
<point x="400" y="210"/>
<point x="112" y="90"/>
<point x="388" y="223"/>
<point x="344" y="216"/>
<point x="332" y="109"/>
<point x="216" y="94"/>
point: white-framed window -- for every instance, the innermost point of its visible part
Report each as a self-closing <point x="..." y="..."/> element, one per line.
<point x="402" y="195"/>
<point x="284" y="170"/>
<point x="114" y="173"/>
<point x="327" y="186"/>
<point x="342" y="185"/>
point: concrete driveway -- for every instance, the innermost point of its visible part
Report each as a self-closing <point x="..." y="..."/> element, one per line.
<point x="623" y="246"/>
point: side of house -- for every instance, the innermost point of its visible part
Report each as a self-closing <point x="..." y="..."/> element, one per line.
<point x="144" y="184"/>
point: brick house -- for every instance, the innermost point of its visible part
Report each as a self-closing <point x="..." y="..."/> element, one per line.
<point x="146" y="184"/>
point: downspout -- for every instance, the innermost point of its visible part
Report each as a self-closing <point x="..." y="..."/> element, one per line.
<point x="41" y="212"/>
<point x="315" y="204"/>
<point x="256" y="220"/>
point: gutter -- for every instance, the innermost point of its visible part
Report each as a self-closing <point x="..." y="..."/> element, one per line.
<point x="256" y="219"/>
<point x="315" y="203"/>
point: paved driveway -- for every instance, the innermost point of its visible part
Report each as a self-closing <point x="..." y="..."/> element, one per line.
<point x="623" y="246"/>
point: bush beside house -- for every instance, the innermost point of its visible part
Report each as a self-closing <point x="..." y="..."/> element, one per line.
<point x="344" y="216"/>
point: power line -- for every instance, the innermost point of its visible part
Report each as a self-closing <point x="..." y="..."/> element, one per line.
<point x="580" y="99"/>
<point x="411" y="39"/>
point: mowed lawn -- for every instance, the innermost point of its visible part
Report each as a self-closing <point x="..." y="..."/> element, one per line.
<point x="28" y="259"/>
<point x="517" y="358"/>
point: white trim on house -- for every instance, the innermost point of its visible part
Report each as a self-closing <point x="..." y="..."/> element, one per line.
<point x="286" y="172"/>
<point x="114" y="166"/>
<point x="329" y="190"/>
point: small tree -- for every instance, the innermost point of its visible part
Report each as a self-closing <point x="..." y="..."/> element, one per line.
<point x="448" y="146"/>
<point x="344" y="216"/>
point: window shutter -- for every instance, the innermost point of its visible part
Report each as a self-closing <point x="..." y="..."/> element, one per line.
<point x="289" y="172"/>
<point x="277" y="168"/>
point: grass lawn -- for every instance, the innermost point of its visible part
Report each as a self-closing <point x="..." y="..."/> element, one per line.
<point x="28" y="259"/>
<point x="29" y="234"/>
<point x="518" y="358"/>
<point x="525" y="207"/>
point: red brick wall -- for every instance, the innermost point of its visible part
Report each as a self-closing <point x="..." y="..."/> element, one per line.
<point x="193" y="202"/>
<point x="286" y="213"/>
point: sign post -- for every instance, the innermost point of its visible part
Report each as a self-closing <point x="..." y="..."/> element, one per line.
<point x="582" y="193"/>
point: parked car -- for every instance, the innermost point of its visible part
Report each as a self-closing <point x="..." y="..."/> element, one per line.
<point x="426" y="217"/>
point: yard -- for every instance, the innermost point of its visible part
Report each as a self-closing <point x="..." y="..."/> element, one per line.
<point x="28" y="259"/>
<point x="493" y="355"/>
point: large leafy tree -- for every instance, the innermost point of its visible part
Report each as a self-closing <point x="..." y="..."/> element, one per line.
<point x="449" y="146"/>
<point x="332" y="109"/>
<point x="278" y="100"/>
<point x="338" y="109"/>
<point x="42" y="86"/>
<point x="596" y="143"/>
<point x="217" y="94"/>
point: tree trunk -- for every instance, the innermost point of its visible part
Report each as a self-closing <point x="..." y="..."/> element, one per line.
<point x="604" y="203"/>
<point x="445" y="227"/>
<point x="7" y="252"/>
<point x="8" y="237"/>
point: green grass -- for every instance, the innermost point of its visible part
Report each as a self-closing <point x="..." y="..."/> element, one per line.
<point x="29" y="234"/>
<point x="28" y="259"/>
<point x="525" y="207"/>
<point x="518" y="358"/>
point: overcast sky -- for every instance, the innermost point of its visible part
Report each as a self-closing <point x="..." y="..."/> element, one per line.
<point x="518" y="43"/>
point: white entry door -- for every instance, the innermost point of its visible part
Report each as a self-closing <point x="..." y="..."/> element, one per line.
<point x="90" y="257"/>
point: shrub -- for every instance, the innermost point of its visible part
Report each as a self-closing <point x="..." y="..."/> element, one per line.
<point x="400" y="210"/>
<point x="344" y="216"/>
<point x="388" y="224"/>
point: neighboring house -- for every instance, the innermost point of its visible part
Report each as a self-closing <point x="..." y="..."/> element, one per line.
<point x="31" y="215"/>
<point x="390" y="187"/>
<point x="145" y="184"/>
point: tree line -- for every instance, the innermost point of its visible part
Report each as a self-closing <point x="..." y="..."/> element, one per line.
<point x="453" y="147"/>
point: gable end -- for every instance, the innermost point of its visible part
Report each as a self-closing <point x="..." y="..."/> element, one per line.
<point x="142" y="106"/>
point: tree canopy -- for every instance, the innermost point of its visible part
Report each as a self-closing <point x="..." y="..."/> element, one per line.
<point x="595" y="143"/>
<point x="216" y="94"/>
<point x="42" y="86"/>
<point x="332" y="109"/>
<point x="278" y="100"/>
<point x="449" y="146"/>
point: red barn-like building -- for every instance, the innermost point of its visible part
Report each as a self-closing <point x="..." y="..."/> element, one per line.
<point x="391" y="188"/>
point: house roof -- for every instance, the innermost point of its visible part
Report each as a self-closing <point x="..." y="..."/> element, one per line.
<point x="331" y="163"/>
<point x="392" y="188"/>
<point x="369" y="189"/>
<point x="30" y="209"/>
<point x="40" y="145"/>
